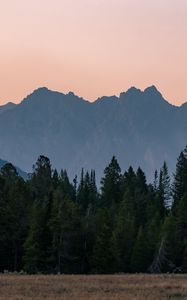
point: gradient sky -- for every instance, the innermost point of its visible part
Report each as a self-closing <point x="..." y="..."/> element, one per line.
<point x="93" y="47"/>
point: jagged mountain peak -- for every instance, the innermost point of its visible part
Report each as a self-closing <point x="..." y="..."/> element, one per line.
<point x="152" y="91"/>
<point x="43" y="94"/>
<point x="136" y="127"/>
<point x="40" y="91"/>
<point x="150" y="97"/>
<point x="71" y="95"/>
<point x="132" y="92"/>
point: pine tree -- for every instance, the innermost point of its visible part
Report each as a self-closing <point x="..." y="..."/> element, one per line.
<point x="166" y="252"/>
<point x="124" y="237"/>
<point x="50" y="225"/>
<point x="38" y="240"/>
<point x="87" y="191"/>
<point x="55" y="179"/>
<point x="141" y="198"/>
<point x="139" y="258"/>
<point x="111" y="184"/>
<point x="164" y="186"/>
<point x="180" y="179"/>
<point x="41" y="182"/>
<point x="103" y="256"/>
<point x="155" y="183"/>
<point x="14" y="218"/>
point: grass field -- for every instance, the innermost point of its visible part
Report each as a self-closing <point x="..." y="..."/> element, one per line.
<point x="92" y="287"/>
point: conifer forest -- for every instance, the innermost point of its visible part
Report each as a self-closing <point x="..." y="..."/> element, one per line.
<point x="50" y="225"/>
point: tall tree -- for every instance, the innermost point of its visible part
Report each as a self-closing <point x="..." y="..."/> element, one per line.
<point x="41" y="181"/>
<point x="103" y="256"/>
<point x="140" y="258"/>
<point x="180" y="178"/>
<point x="14" y="205"/>
<point x="164" y="186"/>
<point x="38" y="240"/>
<point x="111" y="184"/>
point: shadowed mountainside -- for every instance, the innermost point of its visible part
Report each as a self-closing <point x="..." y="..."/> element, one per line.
<point x="23" y="174"/>
<point x="138" y="127"/>
<point x="6" y="107"/>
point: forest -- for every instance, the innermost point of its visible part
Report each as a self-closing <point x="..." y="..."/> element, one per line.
<point x="50" y="225"/>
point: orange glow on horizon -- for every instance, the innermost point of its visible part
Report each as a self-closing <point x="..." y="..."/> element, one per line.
<point x="93" y="47"/>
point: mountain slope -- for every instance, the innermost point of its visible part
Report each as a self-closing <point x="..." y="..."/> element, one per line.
<point x="6" y="107"/>
<point x="23" y="174"/>
<point x="139" y="127"/>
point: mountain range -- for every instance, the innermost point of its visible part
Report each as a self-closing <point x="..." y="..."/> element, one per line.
<point x="139" y="127"/>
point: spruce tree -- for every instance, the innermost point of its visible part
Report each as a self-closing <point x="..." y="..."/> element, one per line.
<point x="140" y="258"/>
<point x="164" y="186"/>
<point x="111" y="184"/>
<point x="103" y="255"/>
<point x="14" y="206"/>
<point x="180" y="178"/>
<point x="124" y="237"/>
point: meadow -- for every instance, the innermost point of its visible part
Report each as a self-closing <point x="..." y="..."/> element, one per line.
<point x="93" y="287"/>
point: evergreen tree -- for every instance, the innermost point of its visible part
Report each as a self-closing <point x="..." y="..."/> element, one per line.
<point x="87" y="191"/>
<point x="50" y="225"/>
<point x="67" y="237"/>
<point x="155" y="183"/>
<point x="180" y="179"/>
<point x="41" y="181"/>
<point x="140" y="258"/>
<point x="38" y="240"/>
<point x="124" y="237"/>
<point x="141" y="198"/>
<point x="111" y="184"/>
<point x="103" y="256"/>
<point x="13" y="218"/>
<point x="164" y="186"/>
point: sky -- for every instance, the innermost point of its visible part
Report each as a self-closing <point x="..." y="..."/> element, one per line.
<point x="93" y="47"/>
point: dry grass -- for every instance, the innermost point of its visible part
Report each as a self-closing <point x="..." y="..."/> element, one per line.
<point x="92" y="287"/>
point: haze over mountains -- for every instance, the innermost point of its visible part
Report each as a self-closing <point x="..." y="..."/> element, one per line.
<point x="138" y="127"/>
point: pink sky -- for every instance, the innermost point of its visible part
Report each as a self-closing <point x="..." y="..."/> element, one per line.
<point x="93" y="47"/>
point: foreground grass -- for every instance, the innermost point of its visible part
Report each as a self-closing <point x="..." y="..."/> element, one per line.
<point x="92" y="287"/>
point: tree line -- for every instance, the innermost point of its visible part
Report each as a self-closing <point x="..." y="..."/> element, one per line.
<point x="51" y="225"/>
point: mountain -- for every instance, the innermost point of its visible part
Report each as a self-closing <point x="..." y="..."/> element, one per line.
<point x="23" y="174"/>
<point x="138" y="127"/>
<point x="6" y="107"/>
